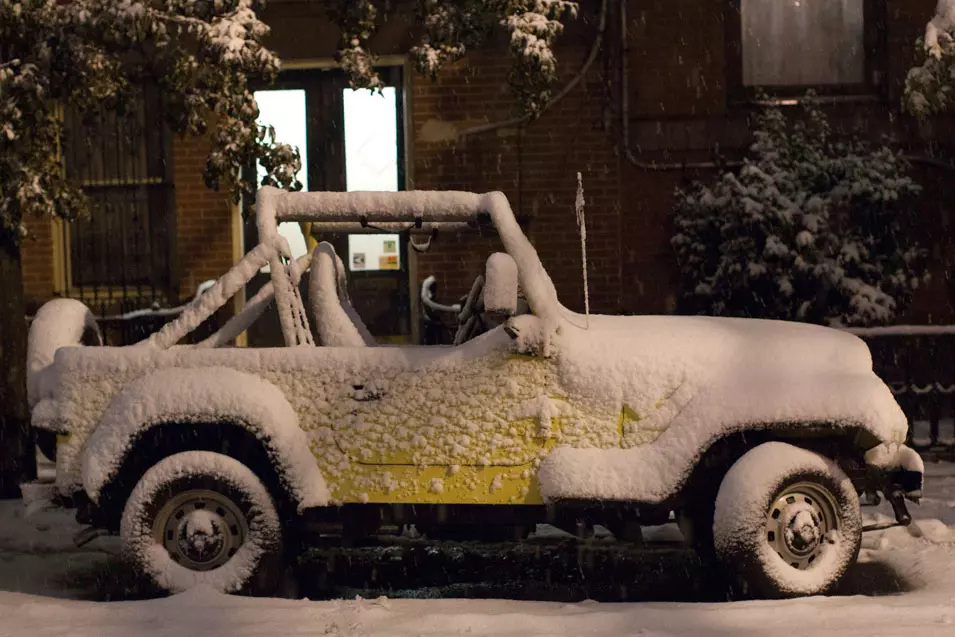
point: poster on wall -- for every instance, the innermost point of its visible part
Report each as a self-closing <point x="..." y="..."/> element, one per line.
<point x="389" y="246"/>
<point x="358" y="261"/>
<point x="388" y="262"/>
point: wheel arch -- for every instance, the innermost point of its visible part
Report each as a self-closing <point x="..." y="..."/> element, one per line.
<point x="163" y="440"/>
<point x="212" y="409"/>
<point x="842" y="443"/>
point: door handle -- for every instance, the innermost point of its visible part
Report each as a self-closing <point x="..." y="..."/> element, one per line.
<point x="366" y="393"/>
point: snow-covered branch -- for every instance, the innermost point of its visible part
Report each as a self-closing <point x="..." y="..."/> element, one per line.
<point x="451" y="29"/>
<point x="91" y="56"/>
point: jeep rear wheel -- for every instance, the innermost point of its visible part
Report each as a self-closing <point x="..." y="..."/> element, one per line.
<point x="202" y="518"/>
<point x="787" y="522"/>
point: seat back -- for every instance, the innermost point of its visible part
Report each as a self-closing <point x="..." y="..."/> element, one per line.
<point x="336" y="322"/>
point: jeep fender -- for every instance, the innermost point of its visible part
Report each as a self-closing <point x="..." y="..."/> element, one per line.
<point x="205" y="395"/>
<point x="655" y="472"/>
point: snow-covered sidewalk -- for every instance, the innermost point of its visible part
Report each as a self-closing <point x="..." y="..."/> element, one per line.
<point x="39" y="568"/>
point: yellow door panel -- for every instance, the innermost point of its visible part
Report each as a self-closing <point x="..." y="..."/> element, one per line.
<point x="498" y="410"/>
<point x="439" y="485"/>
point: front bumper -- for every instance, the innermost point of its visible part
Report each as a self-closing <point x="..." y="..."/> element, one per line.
<point x="897" y="472"/>
<point x="897" y="466"/>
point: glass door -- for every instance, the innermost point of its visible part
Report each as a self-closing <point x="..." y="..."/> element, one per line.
<point x="349" y="140"/>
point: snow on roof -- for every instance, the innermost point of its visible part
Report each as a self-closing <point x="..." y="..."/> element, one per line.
<point x="274" y="206"/>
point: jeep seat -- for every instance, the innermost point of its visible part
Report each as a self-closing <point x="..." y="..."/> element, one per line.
<point x="336" y="322"/>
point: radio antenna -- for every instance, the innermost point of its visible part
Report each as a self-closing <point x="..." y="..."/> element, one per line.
<point x="582" y="225"/>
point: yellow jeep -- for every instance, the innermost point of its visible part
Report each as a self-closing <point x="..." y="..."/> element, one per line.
<point x="207" y="459"/>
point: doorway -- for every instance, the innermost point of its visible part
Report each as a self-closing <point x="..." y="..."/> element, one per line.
<point x="349" y="140"/>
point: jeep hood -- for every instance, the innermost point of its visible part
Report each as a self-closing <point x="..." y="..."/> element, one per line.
<point x="681" y="383"/>
<point x="740" y="369"/>
<point x="700" y="345"/>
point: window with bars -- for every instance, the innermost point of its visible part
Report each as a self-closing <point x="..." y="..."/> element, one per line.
<point x="124" y="247"/>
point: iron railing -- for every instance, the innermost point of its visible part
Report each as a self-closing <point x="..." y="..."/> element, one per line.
<point x="918" y="364"/>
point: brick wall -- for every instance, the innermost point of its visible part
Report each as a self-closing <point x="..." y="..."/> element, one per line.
<point x="535" y="166"/>
<point x="37" y="251"/>
<point x="203" y="218"/>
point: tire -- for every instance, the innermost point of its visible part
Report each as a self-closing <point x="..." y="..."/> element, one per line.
<point x="787" y="522"/>
<point x="200" y="518"/>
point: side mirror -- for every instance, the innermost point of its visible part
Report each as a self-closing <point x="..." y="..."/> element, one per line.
<point x="500" y="284"/>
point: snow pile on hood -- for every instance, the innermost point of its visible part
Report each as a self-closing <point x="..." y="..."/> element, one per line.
<point x="684" y="382"/>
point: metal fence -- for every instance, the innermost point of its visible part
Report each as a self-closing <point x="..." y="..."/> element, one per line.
<point x="918" y="364"/>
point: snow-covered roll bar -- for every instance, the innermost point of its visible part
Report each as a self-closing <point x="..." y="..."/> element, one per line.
<point x="426" y="209"/>
<point x="414" y="227"/>
<point x="274" y="206"/>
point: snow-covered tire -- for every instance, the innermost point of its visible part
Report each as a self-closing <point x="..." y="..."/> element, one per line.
<point x="787" y="522"/>
<point x="202" y="518"/>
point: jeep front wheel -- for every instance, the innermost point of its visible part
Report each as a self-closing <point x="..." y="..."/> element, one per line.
<point x="202" y="518"/>
<point x="787" y="522"/>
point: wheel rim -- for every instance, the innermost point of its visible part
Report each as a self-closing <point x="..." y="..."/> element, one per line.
<point x="200" y="529"/>
<point x="799" y="524"/>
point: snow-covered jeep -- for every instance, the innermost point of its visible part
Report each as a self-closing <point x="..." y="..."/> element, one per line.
<point x="213" y="461"/>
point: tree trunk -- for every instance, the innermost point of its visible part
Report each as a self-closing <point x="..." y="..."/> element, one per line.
<point x="17" y="453"/>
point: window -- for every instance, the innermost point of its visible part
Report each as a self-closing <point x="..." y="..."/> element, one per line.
<point x="370" y="125"/>
<point x="832" y="46"/>
<point x="284" y="111"/>
<point x="371" y="163"/>
<point x="121" y="161"/>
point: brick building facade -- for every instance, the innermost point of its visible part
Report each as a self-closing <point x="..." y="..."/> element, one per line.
<point x="684" y="102"/>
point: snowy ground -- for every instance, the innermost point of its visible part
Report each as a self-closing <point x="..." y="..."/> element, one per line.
<point x="43" y="578"/>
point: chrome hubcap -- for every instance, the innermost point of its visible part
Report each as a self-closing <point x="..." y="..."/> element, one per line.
<point x="799" y="523"/>
<point x="200" y="529"/>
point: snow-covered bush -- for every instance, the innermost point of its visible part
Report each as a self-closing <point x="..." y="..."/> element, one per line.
<point x="930" y="87"/>
<point x="811" y="228"/>
<point x="451" y="29"/>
